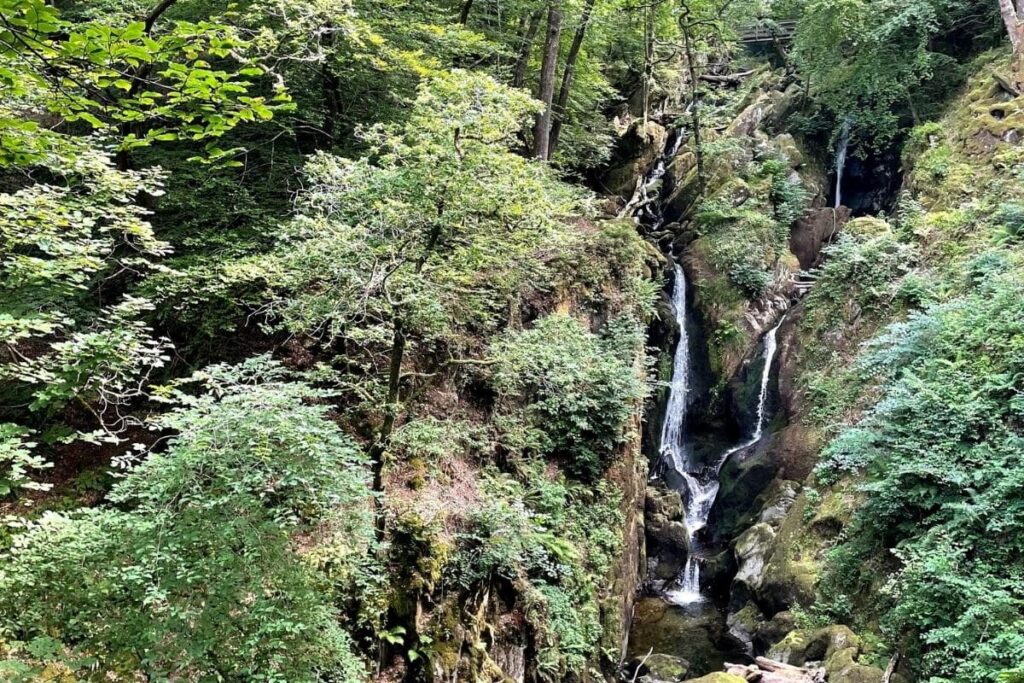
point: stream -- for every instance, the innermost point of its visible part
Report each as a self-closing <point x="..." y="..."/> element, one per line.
<point x="680" y="617"/>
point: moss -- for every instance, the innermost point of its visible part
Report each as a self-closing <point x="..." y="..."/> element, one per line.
<point x="719" y="677"/>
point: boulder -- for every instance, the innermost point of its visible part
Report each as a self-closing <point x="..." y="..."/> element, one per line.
<point x="821" y="645"/>
<point x="664" y="502"/>
<point x="744" y="626"/>
<point x="789" y="149"/>
<point x="792" y="570"/>
<point x="813" y="231"/>
<point x="719" y="677"/>
<point x="771" y="632"/>
<point x="779" y="499"/>
<point x="752" y="549"/>
<point x="662" y="668"/>
<point x="667" y="533"/>
<point x="841" y="667"/>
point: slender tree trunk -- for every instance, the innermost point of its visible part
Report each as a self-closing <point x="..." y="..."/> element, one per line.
<point x="567" y="75"/>
<point x="331" y="88"/>
<point x="394" y="395"/>
<point x="542" y="129"/>
<point x="464" y="14"/>
<point x="525" y="48"/>
<point x="1012" y="18"/>
<point x="698" y="150"/>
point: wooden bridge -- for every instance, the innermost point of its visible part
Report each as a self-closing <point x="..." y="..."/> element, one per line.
<point x="768" y="32"/>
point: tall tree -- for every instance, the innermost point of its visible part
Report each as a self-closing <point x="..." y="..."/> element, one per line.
<point x="530" y="28"/>
<point x="567" y="75"/>
<point x="1013" y="16"/>
<point x="546" y="93"/>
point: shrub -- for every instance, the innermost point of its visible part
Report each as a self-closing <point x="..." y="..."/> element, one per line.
<point x="195" y="573"/>
<point x="573" y="388"/>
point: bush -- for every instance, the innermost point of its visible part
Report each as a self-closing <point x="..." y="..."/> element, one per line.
<point x="575" y="390"/>
<point x="941" y="451"/>
<point x="195" y="572"/>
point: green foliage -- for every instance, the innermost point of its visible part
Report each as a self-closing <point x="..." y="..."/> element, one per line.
<point x="194" y="568"/>
<point x="554" y="540"/>
<point x="746" y="223"/>
<point x="161" y="86"/>
<point x="438" y="229"/>
<point x="876" y="61"/>
<point x="574" y="389"/>
<point x="17" y="459"/>
<point x="941" y="451"/>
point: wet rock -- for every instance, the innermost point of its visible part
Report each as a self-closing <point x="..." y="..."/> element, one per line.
<point x="744" y="626"/>
<point x="744" y="480"/>
<point x="668" y="534"/>
<point x="661" y="668"/>
<point x="771" y="632"/>
<point x="664" y="502"/>
<point x="716" y="573"/>
<point x="752" y="550"/>
<point x="666" y="567"/>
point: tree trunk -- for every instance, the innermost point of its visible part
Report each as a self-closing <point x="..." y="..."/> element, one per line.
<point x="684" y="23"/>
<point x="542" y="129"/>
<point x="464" y="14"/>
<point x="525" y="47"/>
<point x="567" y="74"/>
<point x="1015" y="29"/>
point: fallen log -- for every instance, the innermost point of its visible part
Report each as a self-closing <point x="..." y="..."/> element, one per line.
<point x="730" y="79"/>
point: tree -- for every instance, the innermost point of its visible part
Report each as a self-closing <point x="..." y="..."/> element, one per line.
<point x="1013" y="17"/>
<point x="421" y="242"/>
<point x="194" y="566"/>
<point x="546" y="89"/>
<point x="567" y="75"/>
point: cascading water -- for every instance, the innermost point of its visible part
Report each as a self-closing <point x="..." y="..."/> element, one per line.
<point x="672" y="433"/>
<point x="702" y="483"/>
<point x="842" y="146"/>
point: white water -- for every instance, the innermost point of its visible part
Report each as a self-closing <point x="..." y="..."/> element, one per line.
<point x="841" y="148"/>
<point x="702" y="485"/>
<point x="672" y="447"/>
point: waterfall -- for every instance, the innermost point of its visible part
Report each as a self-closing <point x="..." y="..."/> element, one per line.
<point x="702" y="485"/>
<point x="672" y="447"/>
<point x="842" y="145"/>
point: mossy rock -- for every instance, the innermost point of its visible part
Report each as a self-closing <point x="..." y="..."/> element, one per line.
<point x="719" y="677"/>
<point x="824" y="644"/>
<point x="842" y="667"/>
<point x="788" y="147"/>
<point x="662" y="668"/>
<point x="867" y="227"/>
<point x="791" y="573"/>
<point x="752" y="548"/>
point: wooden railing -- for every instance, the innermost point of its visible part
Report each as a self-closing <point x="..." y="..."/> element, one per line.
<point x="768" y="32"/>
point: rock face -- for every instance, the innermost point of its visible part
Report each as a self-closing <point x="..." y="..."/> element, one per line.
<point x="635" y="152"/>
<point x="813" y="231"/>
<point x="752" y="550"/>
